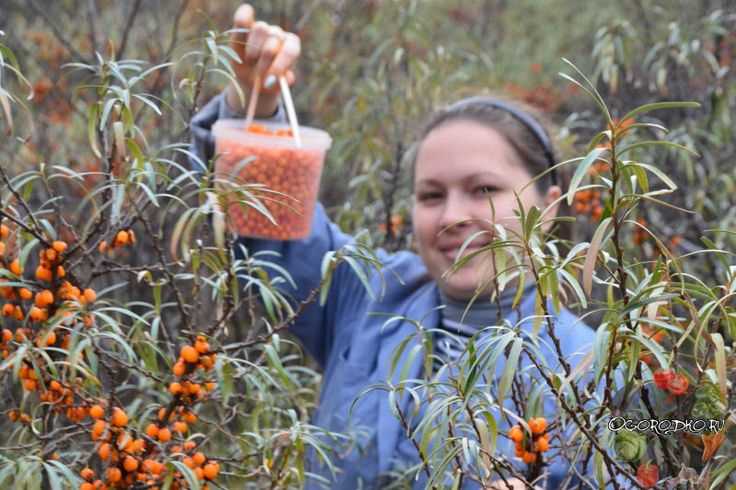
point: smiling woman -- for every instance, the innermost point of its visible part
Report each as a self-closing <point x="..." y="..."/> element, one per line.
<point x="462" y="161"/>
<point x="471" y="151"/>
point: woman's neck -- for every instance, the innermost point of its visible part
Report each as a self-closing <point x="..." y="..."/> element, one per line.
<point x="483" y="311"/>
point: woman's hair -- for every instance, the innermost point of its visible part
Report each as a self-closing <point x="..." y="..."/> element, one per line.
<point x="524" y="128"/>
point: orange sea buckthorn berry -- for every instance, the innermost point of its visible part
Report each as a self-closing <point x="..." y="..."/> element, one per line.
<point x="8" y="309"/>
<point x="152" y="431"/>
<point x="202" y="346"/>
<point x="7" y="335"/>
<point x="51" y="255"/>
<point x="181" y="427"/>
<point x="207" y="362"/>
<point x="164" y="435"/>
<point x="14" y="267"/>
<point x="98" y="428"/>
<point x="199" y="458"/>
<point x="104" y="451"/>
<point x="195" y="389"/>
<point x="37" y="314"/>
<point x="4" y="231"/>
<point x="18" y="315"/>
<point x="529" y="457"/>
<point x="175" y="388"/>
<point x="519" y="450"/>
<point x="60" y="271"/>
<point x="139" y="445"/>
<point x="25" y="294"/>
<point x="542" y="444"/>
<point x="537" y="425"/>
<point x="516" y="434"/>
<point x="50" y="338"/>
<point x="87" y="474"/>
<point x="189" y="354"/>
<point x="89" y="295"/>
<point x="102" y="247"/>
<point x="114" y="475"/>
<point x="150" y="466"/>
<point x="44" y="298"/>
<point x="189" y="462"/>
<point x="86" y="486"/>
<point x="179" y="368"/>
<point x="211" y="470"/>
<point x="59" y="246"/>
<point x="189" y="445"/>
<point x="130" y="464"/>
<point x="2" y="249"/>
<point x="121" y="238"/>
<point x="119" y="417"/>
<point x="43" y="274"/>
<point x="96" y="412"/>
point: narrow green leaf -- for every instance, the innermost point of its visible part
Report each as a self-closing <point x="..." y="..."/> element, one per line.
<point x="592" y="255"/>
<point x="510" y="369"/>
<point x="660" y="105"/>
<point x="581" y="171"/>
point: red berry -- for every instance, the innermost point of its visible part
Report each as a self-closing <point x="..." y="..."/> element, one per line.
<point x="678" y="385"/>
<point x="662" y="378"/>
<point x="647" y="474"/>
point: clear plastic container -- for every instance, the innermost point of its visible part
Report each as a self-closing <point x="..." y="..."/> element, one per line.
<point x="267" y="154"/>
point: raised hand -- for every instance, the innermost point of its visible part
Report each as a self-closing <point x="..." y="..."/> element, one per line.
<point x="266" y="52"/>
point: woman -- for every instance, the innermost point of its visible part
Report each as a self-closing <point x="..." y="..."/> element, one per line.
<point x="468" y="152"/>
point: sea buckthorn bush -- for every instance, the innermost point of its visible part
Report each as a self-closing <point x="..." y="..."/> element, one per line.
<point x="134" y="353"/>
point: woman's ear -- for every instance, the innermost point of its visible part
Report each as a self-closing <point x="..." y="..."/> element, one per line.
<point x="553" y="194"/>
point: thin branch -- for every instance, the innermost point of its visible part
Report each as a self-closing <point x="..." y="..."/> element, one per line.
<point x="128" y="26"/>
<point x="57" y="33"/>
<point x="92" y="16"/>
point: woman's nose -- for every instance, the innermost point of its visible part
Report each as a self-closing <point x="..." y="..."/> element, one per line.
<point x="456" y="213"/>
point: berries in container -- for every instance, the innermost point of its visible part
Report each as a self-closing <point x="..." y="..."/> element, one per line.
<point x="262" y="163"/>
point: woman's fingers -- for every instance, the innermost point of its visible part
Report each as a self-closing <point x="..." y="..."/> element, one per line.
<point x="243" y="19"/>
<point x="271" y="47"/>
<point x="286" y="57"/>
<point x="258" y="35"/>
<point x="263" y="48"/>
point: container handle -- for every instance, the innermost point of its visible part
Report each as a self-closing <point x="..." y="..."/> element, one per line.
<point x="253" y="101"/>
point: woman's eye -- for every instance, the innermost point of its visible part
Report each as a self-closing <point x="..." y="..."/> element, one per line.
<point x="429" y="195"/>
<point x="486" y="189"/>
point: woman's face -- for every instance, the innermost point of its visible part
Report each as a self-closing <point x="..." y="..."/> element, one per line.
<point x="459" y="165"/>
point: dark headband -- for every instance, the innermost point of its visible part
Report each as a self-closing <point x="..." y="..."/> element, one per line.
<point x="524" y="118"/>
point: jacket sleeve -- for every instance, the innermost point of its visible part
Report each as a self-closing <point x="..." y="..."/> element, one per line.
<point x="302" y="259"/>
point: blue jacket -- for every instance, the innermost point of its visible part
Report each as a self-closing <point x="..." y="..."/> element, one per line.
<point x="355" y="347"/>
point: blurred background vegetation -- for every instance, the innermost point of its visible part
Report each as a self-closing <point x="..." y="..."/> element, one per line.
<point x="372" y="70"/>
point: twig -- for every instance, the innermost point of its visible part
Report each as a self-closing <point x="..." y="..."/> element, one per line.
<point x="92" y="17"/>
<point x="128" y="25"/>
<point x="57" y="33"/>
